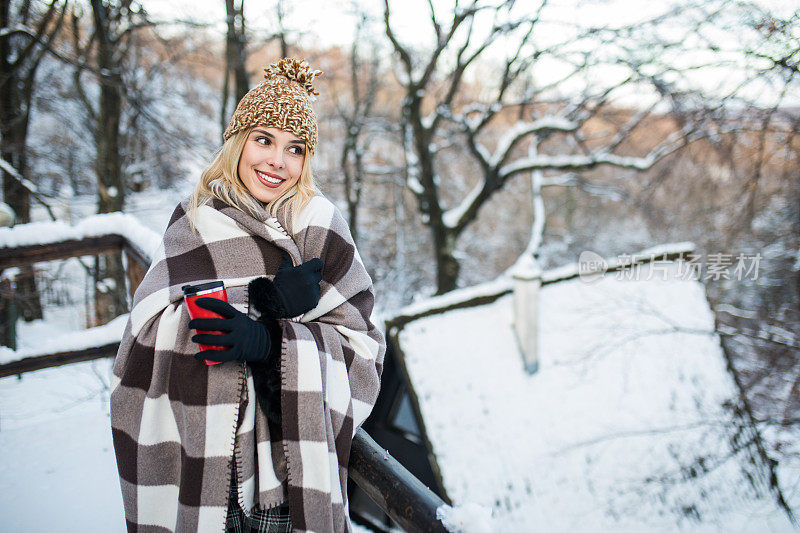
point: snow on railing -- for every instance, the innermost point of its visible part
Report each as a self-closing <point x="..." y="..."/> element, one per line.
<point x="503" y="284"/>
<point x="453" y="299"/>
<point x="41" y="233"/>
<point x="61" y="238"/>
<point x="468" y="518"/>
<point x="70" y="342"/>
<point x="572" y="270"/>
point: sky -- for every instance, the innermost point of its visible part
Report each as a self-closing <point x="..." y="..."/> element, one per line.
<point x="324" y="23"/>
<point x="333" y="24"/>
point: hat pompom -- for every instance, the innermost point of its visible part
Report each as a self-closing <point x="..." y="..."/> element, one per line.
<point x="295" y="70"/>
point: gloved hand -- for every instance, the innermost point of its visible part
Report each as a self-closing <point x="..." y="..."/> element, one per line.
<point x="247" y="339"/>
<point x="294" y="290"/>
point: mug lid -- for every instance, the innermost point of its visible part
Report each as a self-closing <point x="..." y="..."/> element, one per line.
<point x="189" y="290"/>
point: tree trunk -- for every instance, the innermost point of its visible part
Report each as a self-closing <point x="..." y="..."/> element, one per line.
<point x="447" y="267"/>
<point x="8" y="315"/>
<point x="108" y="168"/>
<point x="14" y="120"/>
<point x="280" y="11"/>
<point x="352" y="177"/>
<point x="110" y="293"/>
<point x="235" y="58"/>
<point x="109" y="273"/>
<point x="444" y="239"/>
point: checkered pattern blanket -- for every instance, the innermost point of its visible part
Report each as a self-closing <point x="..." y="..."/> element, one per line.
<point x="179" y="425"/>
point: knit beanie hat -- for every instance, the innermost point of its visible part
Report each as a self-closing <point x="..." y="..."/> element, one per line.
<point x="282" y="100"/>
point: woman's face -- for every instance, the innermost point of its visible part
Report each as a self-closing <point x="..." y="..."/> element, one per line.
<point x="271" y="162"/>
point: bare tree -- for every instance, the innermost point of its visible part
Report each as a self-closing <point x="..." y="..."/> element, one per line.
<point x="24" y="41"/>
<point x="105" y="49"/>
<point x="356" y="114"/>
<point x="235" y="58"/>
<point x="239" y="46"/>
<point x="759" y="318"/>
<point x="431" y="122"/>
<point x="282" y="32"/>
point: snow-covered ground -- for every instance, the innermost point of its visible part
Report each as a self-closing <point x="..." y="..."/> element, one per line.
<point x="58" y="471"/>
<point x="623" y="428"/>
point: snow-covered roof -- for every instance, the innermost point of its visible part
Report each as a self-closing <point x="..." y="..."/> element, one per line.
<point x="626" y="426"/>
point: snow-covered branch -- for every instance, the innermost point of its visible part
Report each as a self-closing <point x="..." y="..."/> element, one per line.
<point x="14" y="30"/>
<point x="563" y="180"/>
<point x="520" y="130"/>
<point x="453" y="217"/>
<point x="47" y="45"/>
<point x="576" y="162"/>
<point x="27" y="184"/>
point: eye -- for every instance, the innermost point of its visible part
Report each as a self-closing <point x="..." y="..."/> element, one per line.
<point x="296" y="150"/>
<point x="266" y="141"/>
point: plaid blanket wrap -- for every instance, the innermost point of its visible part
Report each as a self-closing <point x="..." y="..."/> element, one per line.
<point x="178" y="424"/>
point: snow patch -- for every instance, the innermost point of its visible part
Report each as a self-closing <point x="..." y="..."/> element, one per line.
<point x="469" y="518"/>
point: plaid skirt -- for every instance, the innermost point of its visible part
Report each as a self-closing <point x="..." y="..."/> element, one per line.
<point x="275" y="520"/>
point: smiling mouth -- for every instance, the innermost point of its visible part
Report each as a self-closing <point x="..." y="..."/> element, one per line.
<point x="268" y="179"/>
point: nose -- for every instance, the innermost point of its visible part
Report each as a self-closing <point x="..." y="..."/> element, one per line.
<point x="275" y="159"/>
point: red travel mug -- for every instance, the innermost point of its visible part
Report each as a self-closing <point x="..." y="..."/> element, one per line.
<point x="212" y="289"/>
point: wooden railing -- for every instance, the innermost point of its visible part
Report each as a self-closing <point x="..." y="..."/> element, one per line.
<point x="54" y="251"/>
<point x="396" y="491"/>
<point x="392" y="487"/>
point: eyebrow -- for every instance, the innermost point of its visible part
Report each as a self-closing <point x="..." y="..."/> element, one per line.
<point x="271" y="136"/>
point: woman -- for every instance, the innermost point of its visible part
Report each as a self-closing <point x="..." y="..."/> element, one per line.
<point x="260" y="441"/>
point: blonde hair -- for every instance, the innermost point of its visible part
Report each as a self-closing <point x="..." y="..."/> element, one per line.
<point x="221" y="180"/>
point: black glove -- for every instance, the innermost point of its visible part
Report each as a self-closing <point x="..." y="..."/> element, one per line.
<point x="247" y="339"/>
<point x="294" y="290"/>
